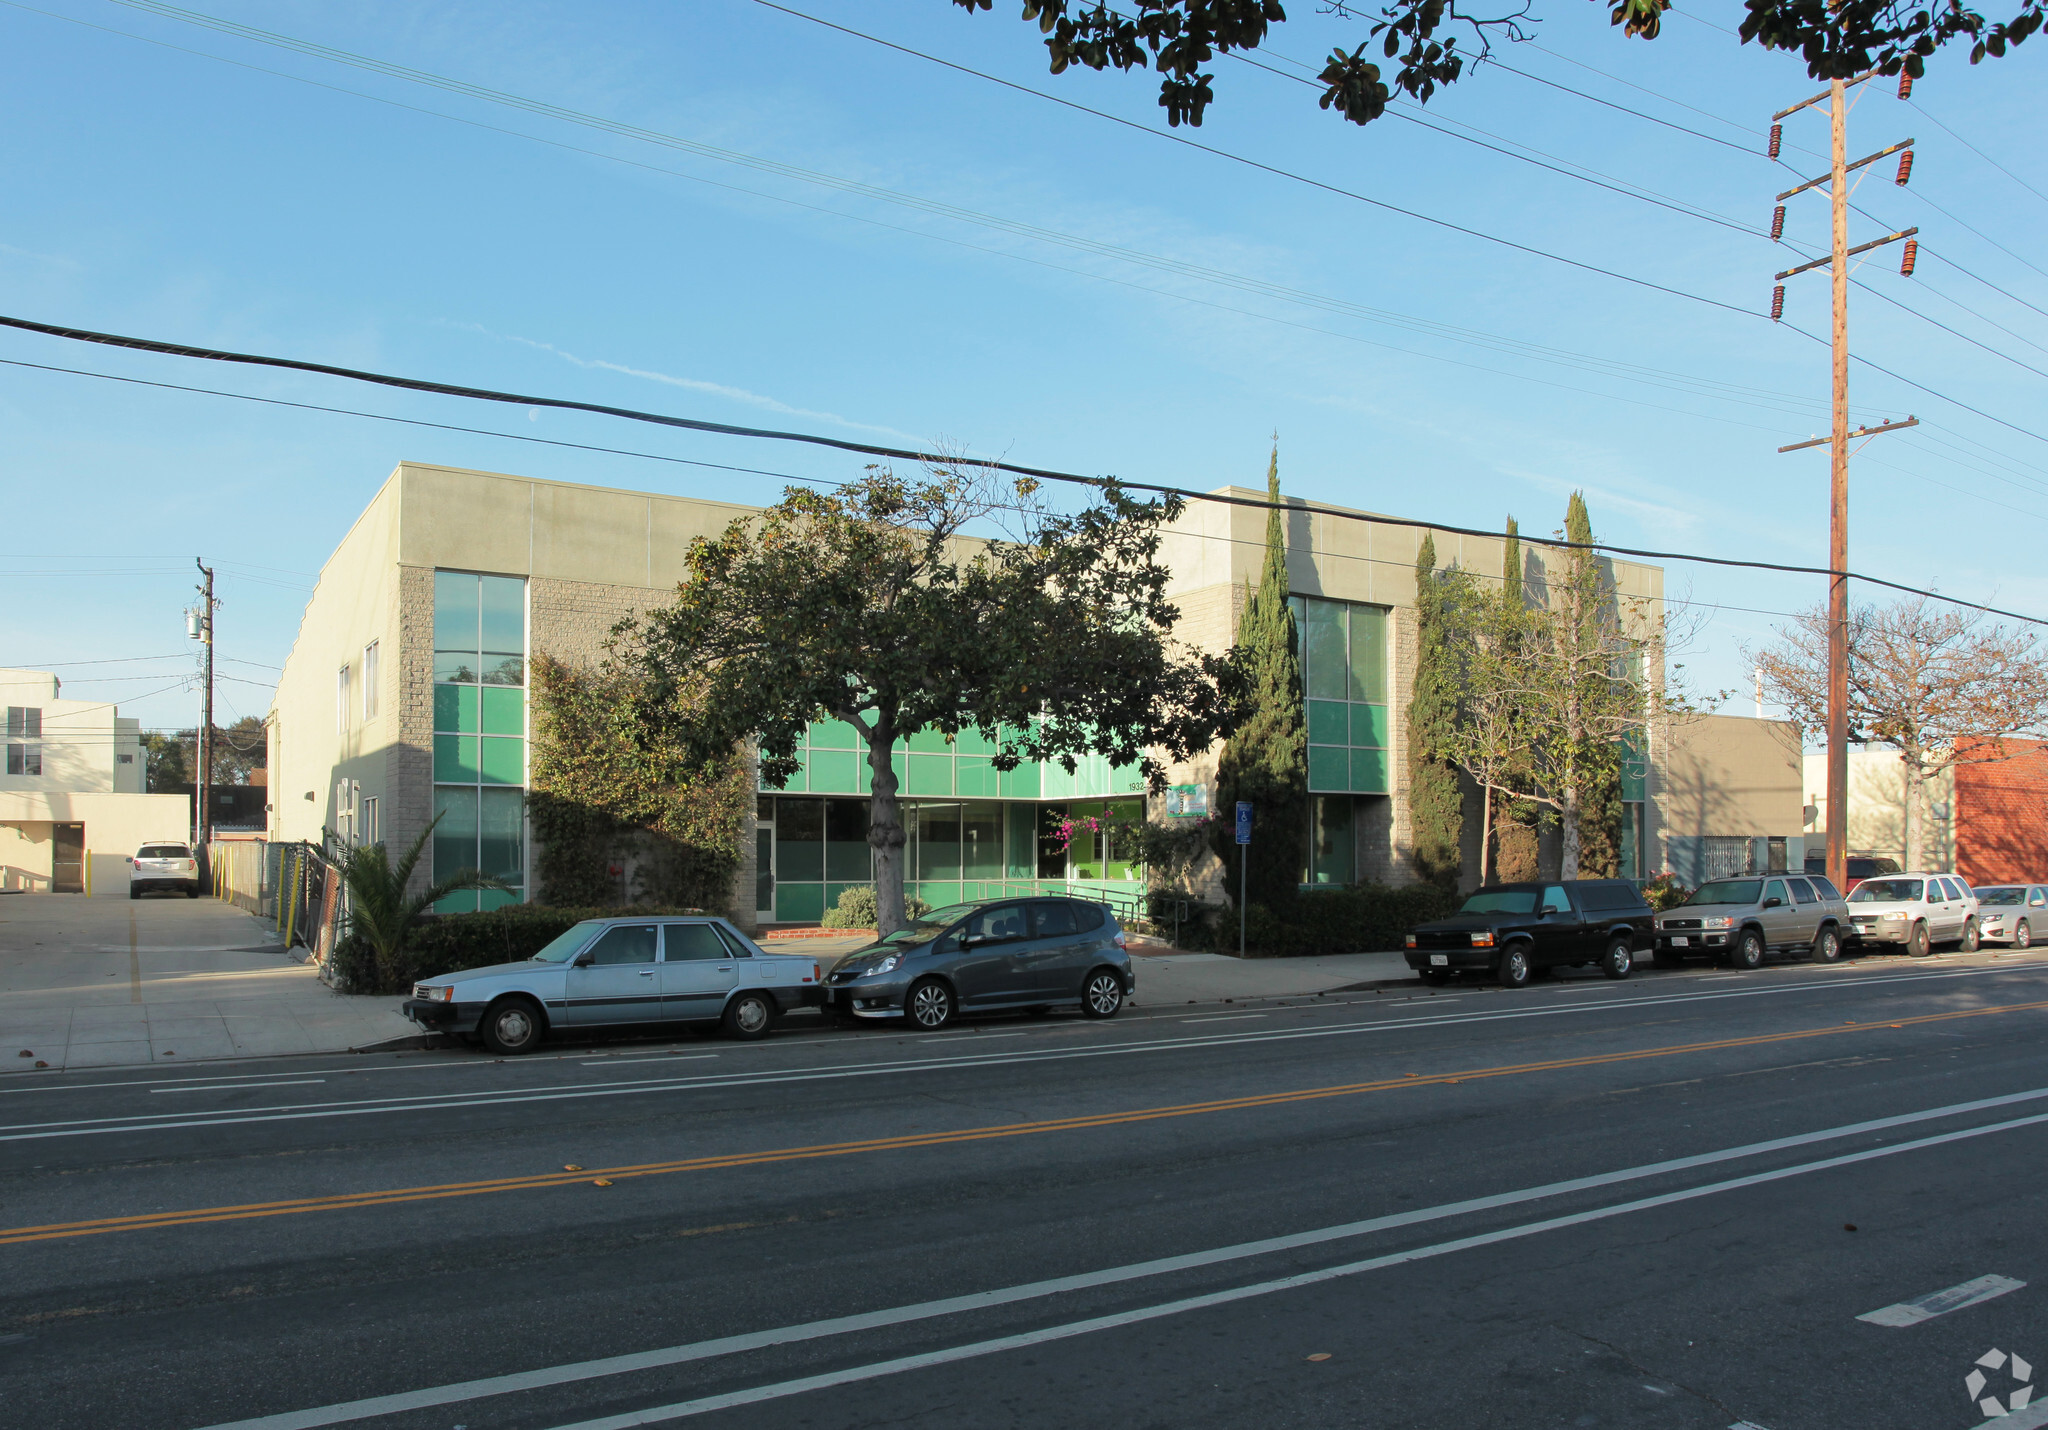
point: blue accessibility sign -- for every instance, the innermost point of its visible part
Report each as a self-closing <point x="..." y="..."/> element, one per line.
<point x="1244" y="822"/>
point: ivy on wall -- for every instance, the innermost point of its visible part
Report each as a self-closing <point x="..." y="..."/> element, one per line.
<point x="608" y="791"/>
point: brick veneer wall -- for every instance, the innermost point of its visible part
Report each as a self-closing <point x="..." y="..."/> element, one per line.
<point x="2001" y="817"/>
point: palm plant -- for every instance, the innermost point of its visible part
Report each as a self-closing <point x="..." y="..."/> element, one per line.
<point x="381" y="914"/>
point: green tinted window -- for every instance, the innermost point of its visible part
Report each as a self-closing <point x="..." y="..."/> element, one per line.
<point x="1368" y="666"/>
<point x="1327" y="651"/>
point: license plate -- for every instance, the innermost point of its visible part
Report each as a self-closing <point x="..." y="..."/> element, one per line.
<point x="1439" y="960"/>
<point x="1679" y="940"/>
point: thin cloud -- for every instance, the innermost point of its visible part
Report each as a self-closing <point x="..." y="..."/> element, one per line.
<point x="693" y="384"/>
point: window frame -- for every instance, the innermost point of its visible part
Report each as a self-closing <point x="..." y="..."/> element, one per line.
<point x="371" y="659"/>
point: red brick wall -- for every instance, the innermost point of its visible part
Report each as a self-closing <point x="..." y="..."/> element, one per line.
<point x="2001" y="816"/>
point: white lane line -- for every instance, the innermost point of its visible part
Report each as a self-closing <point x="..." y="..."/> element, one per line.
<point x="1096" y="1324"/>
<point x="238" y="1086"/>
<point x="462" y="1391"/>
<point x="1217" y="1017"/>
<point x="671" y="1058"/>
<point x="1940" y="1303"/>
<point x="420" y="1102"/>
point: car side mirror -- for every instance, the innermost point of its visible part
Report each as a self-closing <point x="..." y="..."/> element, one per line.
<point x="584" y="960"/>
<point x="1773" y="903"/>
<point x="973" y="940"/>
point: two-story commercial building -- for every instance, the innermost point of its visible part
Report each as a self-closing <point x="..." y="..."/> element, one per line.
<point x="406" y="696"/>
<point x="72" y="806"/>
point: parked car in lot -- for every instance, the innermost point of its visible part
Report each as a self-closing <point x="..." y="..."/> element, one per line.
<point x="2011" y="913"/>
<point x="617" y="973"/>
<point x="1861" y="866"/>
<point x="1033" y="954"/>
<point x="1738" y="921"/>
<point x="163" y="866"/>
<point x="1518" y="931"/>
<point x="1915" y="911"/>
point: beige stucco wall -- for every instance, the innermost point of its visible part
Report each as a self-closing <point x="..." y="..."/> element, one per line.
<point x="115" y="826"/>
<point x="1877" y="807"/>
<point x="1732" y="775"/>
<point x="82" y="740"/>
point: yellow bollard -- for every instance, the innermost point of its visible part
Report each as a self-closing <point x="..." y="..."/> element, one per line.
<point x="88" y="873"/>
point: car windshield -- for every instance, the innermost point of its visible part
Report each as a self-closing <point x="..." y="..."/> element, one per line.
<point x="164" y="851"/>
<point x="2015" y="895"/>
<point x="924" y="929"/>
<point x="1886" y="891"/>
<point x="1728" y="891"/>
<point x="563" y="946"/>
<point x="1501" y="901"/>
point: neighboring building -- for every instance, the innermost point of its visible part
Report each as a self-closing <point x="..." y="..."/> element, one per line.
<point x="71" y="790"/>
<point x="405" y="696"/>
<point x="1877" y="808"/>
<point x="1732" y="798"/>
<point x="2001" y="817"/>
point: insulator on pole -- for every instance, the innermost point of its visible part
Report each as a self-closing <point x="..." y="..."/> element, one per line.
<point x="1905" y="84"/>
<point x="1777" y="139"/>
<point x="1777" y="223"/>
<point x="1777" y="302"/>
<point x="1912" y="256"/>
<point x="1905" y="168"/>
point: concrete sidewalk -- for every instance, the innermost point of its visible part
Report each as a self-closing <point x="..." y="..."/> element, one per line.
<point x="105" y="983"/>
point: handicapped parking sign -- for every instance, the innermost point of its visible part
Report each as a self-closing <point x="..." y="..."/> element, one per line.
<point x="1244" y="822"/>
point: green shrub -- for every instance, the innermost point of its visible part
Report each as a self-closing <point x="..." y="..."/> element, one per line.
<point x="856" y="909"/>
<point x="1367" y="918"/>
<point x="451" y="943"/>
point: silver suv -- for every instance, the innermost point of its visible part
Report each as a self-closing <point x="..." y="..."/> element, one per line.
<point x="1738" y="921"/>
<point x="163" y="866"/>
<point x="1916" y="911"/>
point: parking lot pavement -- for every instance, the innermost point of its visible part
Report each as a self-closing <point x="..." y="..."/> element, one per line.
<point x="106" y="983"/>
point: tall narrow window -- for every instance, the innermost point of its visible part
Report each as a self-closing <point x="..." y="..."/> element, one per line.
<point x="480" y="731"/>
<point x="370" y="681"/>
<point x="341" y="710"/>
<point x="24" y="722"/>
<point x="372" y="833"/>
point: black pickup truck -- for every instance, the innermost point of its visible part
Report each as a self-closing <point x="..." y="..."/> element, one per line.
<point x="1515" y="931"/>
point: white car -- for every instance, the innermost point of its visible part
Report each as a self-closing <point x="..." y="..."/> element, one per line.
<point x="1915" y="911"/>
<point x="163" y="866"/>
<point x="2007" y="913"/>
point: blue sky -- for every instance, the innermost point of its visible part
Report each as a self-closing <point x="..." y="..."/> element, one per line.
<point x="287" y="204"/>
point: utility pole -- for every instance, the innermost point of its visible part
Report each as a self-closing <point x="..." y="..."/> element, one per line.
<point x="1837" y="263"/>
<point x="202" y="630"/>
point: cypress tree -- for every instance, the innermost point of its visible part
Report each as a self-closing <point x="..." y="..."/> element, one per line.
<point x="1266" y="761"/>
<point x="1599" y="816"/>
<point x="1436" y="811"/>
<point x="1516" y="850"/>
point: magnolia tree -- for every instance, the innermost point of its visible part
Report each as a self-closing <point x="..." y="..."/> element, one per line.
<point x="1937" y="683"/>
<point x="875" y="605"/>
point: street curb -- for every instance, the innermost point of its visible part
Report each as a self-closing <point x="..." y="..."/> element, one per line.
<point x="408" y="1043"/>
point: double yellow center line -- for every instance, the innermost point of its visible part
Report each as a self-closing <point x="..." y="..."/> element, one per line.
<point x="199" y="1216"/>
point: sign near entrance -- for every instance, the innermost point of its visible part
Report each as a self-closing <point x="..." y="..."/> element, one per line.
<point x="1187" y="802"/>
<point x="1244" y="822"/>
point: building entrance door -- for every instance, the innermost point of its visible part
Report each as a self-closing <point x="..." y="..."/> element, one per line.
<point x="764" y="870"/>
<point x="67" y="859"/>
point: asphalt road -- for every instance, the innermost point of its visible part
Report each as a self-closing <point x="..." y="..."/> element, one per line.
<point x="1660" y="1203"/>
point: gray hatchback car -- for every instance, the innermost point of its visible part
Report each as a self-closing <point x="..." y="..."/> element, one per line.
<point x="1029" y="954"/>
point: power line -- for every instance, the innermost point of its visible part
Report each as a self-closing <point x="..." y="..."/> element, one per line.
<point x="1610" y="104"/>
<point x="1635" y="374"/>
<point x="1980" y="153"/>
<point x="1251" y="163"/>
<point x="841" y="444"/>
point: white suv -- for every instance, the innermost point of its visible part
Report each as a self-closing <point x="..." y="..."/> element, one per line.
<point x="1914" y="910"/>
<point x="163" y="866"/>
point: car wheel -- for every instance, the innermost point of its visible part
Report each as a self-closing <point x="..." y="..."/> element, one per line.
<point x="1916" y="941"/>
<point x="1619" y="960"/>
<point x="193" y="892"/>
<point x="512" y="1026"/>
<point x="1969" y="941"/>
<point x="135" y="893"/>
<point x="749" y="1015"/>
<point x="1827" y="946"/>
<point x="1434" y="977"/>
<point x="1748" y="952"/>
<point x="1513" y="969"/>
<point x="2022" y="935"/>
<point x="928" y="1005"/>
<point x="1103" y="994"/>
